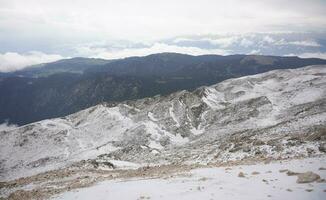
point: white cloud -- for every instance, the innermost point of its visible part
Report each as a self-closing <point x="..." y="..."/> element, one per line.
<point x="268" y="39"/>
<point x="246" y="43"/>
<point x="31" y="25"/>
<point x="12" y="61"/>
<point x="283" y="42"/>
<point x="224" y="41"/>
<point x="151" y="20"/>
<point x="254" y="52"/>
<point x="155" y="48"/>
<point x="181" y="39"/>
<point x="312" y="55"/>
<point x="307" y="43"/>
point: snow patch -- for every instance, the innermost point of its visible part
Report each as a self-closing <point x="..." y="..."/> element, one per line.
<point x="215" y="183"/>
<point x="173" y="116"/>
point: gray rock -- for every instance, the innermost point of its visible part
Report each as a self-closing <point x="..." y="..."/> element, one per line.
<point x="310" y="151"/>
<point x="241" y="175"/>
<point x="246" y="149"/>
<point x="291" y="173"/>
<point x="322" y="147"/>
<point x="307" y="177"/>
<point x="258" y="142"/>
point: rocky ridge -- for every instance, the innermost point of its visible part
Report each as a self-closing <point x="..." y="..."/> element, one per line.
<point x="274" y="115"/>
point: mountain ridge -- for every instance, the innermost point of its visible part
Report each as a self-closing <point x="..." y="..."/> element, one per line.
<point x="29" y="99"/>
<point x="278" y="114"/>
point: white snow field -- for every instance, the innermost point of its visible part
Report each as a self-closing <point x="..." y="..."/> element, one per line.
<point x="220" y="183"/>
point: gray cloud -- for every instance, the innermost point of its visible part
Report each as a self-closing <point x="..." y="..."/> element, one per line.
<point x="310" y="55"/>
<point x="148" y="20"/>
<point x="119" y="28"/>
<point x="262" y="43"/>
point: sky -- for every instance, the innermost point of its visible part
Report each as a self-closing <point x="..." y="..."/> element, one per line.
<point x="37" y="31"/>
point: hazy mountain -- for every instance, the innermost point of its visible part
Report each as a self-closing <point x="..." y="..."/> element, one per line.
<point x="67" y="86"/>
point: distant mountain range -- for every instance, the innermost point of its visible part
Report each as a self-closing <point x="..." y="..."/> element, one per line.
<point x="67" y="86"/>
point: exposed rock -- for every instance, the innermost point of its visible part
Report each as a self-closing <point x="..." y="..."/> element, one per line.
<point x="321" y="180"/>
<point x="246" y="149"/>
<point x="258" y="152"/>
<point x="322" y="147"/>
<point x="310" y="151"/>
<point x="291" y="173"/>
<point x="307" y="177"/>
<point x="273" y="142"/>
<point x="319" y="133"/>
<point x="278" y="148"/>
<point x="258" y="142"/>
<point x="267" y="161"/>
<point x="235" y="149"/>
<point x="255" y="173"/>
<point x="165" y="140"/>
<point x="96" y="164"/>
<point x="241" y="174"/>
<point x="203" y="179"/>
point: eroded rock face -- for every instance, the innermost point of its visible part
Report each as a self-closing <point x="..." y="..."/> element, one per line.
<point x="278" y="114"/>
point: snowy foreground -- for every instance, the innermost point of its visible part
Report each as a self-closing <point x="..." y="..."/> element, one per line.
<point x="269" y="181"/>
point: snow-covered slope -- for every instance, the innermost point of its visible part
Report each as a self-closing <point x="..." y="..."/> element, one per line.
<point x="260" y="181"/>
<point x="276" y="114"/>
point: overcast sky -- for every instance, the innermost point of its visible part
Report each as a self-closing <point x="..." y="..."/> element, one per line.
<point x="37" y="31"/>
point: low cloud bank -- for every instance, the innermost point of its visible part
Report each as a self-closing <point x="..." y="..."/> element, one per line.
<point x="158" y="47"/>
<point x="321" y="55"/>
<point x="12" y="61"/>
